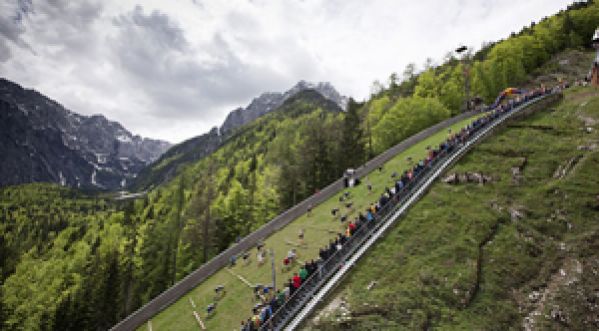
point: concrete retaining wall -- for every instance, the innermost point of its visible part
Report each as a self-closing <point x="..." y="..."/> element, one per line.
<point x="188" y="283"/>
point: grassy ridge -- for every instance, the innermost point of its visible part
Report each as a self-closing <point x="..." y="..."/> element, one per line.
<point x="462" y="259"/>
<point x="319" y="228"/>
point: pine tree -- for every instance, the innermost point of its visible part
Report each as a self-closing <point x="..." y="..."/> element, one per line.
<point x="179" y="223"/>
<point x="352" y="148"/>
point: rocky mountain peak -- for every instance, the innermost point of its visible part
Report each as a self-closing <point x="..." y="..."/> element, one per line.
<point x="269" y="101"/>
<point x="45" y="142"/>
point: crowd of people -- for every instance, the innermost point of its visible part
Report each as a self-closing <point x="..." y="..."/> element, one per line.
<point x="271" y="301"/>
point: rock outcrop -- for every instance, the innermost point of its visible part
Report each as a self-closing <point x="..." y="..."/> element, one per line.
<point x="467" y="177"/>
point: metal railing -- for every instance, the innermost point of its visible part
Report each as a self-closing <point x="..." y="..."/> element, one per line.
<point x="172" y="294"/>
<point x="327" y="268"/>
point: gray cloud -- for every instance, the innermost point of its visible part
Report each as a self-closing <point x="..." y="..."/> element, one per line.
<point x="154" y="53"/>
<point x="32" y="25"/>
<point x="164" y="33"/>
<point x="63" y="29"/>
<point x="11" y="27"/>
<point x="5" y="53"/>
<point x="174" y="69"/>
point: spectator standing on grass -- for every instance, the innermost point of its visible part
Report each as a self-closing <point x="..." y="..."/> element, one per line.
<point x="300" y="236"/>
<point x="265" y="313"/>
<point x="341" y="239"/>
<point x="343" y="218"/>
<point x="303" y="273"/>
<point x="286" y="264"/>
<point x="274" y="303"/>
<point x="332" y="247"/>
<point x="260" y="257"/>
<point x="399" y="185"/>
<point x="256" y="319"/>
<point x="338" y="244"/>
<point x="361" y="217"/>
<point x="297" y="281"/>
<point x="383" y="200"/>
<point x="282" y="295"/>
<point x="291" y="287"/>
<point x="351" y="228"/>
<point x="358" y="223"/>
<point x="369" y="216"/>
<point x="334" y="211"/>
<point x="322" y="254"/>
<point x="311" y="267"/>
<point x="249" y="325"/>
<point x="257" y="294"/>
<point x="291" y="255"/>
<point x="288" y="290"/>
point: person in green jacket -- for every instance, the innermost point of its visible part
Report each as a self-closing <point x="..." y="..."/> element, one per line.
<point x="281" y="297"/>
<point x="303" y="273"/>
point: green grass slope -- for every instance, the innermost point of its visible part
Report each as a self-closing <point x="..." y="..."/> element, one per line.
<point x="319" y="228"/>
<point x="517" y="253"/>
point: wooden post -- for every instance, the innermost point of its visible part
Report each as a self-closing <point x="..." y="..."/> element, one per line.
<point x="149" y="325"/>
<point x="595" y="69"/>
<point x="273" y="271"/>
<point x="245" y="281"/>
<point x="197" y="316"/>
<point x="193" y="304"/>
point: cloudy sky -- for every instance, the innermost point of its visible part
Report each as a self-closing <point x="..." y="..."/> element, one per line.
<point x="174" y="69"/>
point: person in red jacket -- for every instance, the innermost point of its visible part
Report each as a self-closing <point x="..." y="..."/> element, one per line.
<point x="297" y="281"/>
<point x="352" y="228"/>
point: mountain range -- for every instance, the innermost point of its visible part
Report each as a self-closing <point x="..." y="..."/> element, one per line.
<point x="321" y="94"/>
<point x="42" y="141"/>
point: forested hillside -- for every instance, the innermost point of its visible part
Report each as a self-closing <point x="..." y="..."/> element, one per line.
<point x="77" y="262"/>
<point x="194" y="149"/>
<point x="59" y="251"/>
<point x="511" y="62"/>
<point x="516" y="253"/>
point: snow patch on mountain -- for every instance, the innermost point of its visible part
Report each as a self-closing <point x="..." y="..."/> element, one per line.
<point x="63" y="180"/>
<point x="124" y="138"/>
<point x="46" y="142"/>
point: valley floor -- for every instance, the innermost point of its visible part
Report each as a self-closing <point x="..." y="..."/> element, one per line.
<point x="519" y="252"/>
